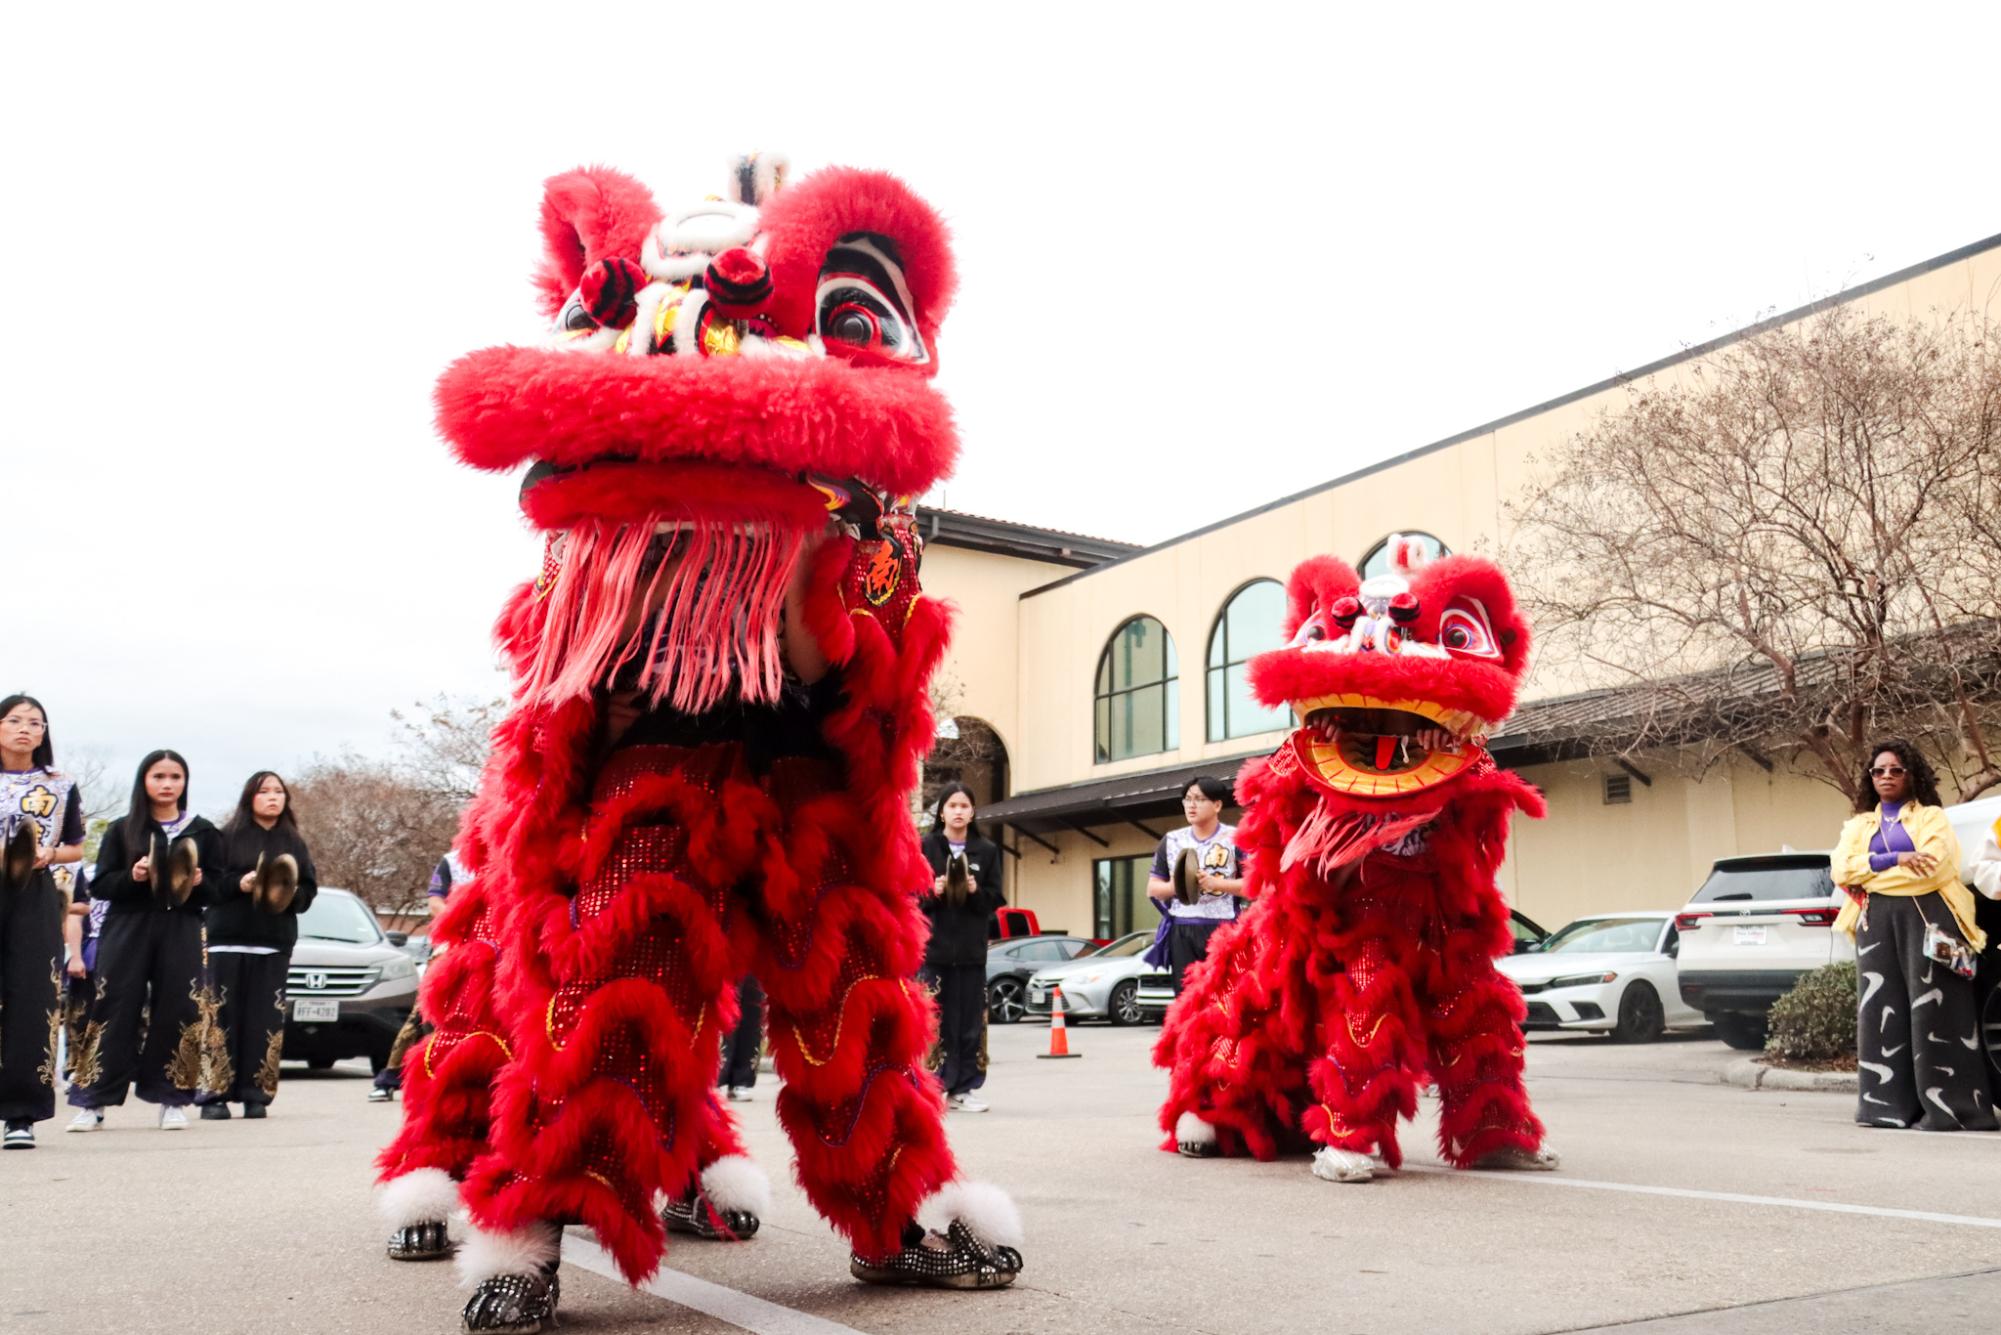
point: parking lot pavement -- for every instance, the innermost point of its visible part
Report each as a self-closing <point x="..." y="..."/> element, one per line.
<point x="1683" y="1206"/>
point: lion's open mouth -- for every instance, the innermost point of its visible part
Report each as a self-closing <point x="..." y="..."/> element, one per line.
<point x="1367" y="746"/>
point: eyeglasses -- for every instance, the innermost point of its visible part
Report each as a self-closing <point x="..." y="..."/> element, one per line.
<point x="1889" y="771"/>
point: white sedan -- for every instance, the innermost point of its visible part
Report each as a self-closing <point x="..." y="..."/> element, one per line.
<point x="1612" y="973"/>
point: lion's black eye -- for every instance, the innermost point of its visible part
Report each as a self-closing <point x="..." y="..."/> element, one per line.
<point x="576" y="319"/>
<point x="863" y="301"/>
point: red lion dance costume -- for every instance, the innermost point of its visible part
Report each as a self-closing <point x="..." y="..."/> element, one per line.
<point x="1365" y="965"/>
<point x="720" y="710"/>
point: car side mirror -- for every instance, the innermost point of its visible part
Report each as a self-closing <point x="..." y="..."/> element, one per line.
<point x="1674" y="949"/>
<point x="398" y="939"/>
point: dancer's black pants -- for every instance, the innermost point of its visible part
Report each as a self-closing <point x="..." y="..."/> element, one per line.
<point x="157" y="1013"/>
<point x="1917" y="1028"/>
<point x="31" y="951"/>
<point x="1187" y="942"/>
<point x="744" y="1044"/>
<point x="961" y="990"/>
<point x="251" y="990"/>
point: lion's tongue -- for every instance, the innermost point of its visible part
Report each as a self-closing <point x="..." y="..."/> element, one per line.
<point x="1385" y="748"/>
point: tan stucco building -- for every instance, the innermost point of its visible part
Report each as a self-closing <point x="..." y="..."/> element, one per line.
<point x="1108" y="674"/>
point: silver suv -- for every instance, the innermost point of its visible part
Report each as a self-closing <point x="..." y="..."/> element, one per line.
<point x="350" y="986"/>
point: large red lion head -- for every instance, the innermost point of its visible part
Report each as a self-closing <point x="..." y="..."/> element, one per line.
<point x="1396" y="680"/>
<point x="719" y="384"/>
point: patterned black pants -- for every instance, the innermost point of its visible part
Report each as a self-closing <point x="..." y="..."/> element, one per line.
<point x="251" y="1016"/>
<point x="31" y="953"/>
<point x="1917" y="1029"/>
<point x="156" y="1011"/>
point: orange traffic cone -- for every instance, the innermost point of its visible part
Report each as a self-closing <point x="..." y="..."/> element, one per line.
<point x="1059" y="1036"/>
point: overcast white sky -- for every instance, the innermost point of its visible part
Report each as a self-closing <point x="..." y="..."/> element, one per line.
<point x="1209" y="255"/>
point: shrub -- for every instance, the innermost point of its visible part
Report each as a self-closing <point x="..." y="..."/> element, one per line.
<point x="1816" y="1020"/>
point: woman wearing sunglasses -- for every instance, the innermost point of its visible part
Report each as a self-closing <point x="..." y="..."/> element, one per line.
<point x="1916" y="944"/>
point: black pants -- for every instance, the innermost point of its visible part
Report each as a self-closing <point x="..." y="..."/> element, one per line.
<point x="1187" y="942"/>
<point x="31" y="975"/>
<point x="156" y="1009"/>
<point x="961" y="993"/>
<point x="745" y="1043"/>
<point x="1917" y="1029"/>
<point x="414" y="1031"/>
<point x="250" y="996"/>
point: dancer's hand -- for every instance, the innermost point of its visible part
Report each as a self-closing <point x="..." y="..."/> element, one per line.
<point x="1436" y="739"/>
<point x="44" y="856"/>
<point x="142" y="870"/>
<point x="248" y="883"/>
<point x="75" y="967"/>
<point x="1921" y="863"/>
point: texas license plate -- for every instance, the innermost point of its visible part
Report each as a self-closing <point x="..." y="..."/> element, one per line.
<point x="317" y="1012"/>
<point x="1751" y="936"/>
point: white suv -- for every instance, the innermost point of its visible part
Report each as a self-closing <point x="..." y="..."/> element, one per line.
<point x="1753" y="928"/>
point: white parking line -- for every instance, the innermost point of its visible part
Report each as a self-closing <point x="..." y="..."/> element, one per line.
<point x="716" y="1300"/>
<point x="1729" y="1197"/>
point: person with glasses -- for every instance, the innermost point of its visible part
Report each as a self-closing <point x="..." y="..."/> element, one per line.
<point x="1916" y="949"/>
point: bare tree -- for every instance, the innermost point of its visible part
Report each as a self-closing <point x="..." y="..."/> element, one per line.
<point x="378" y="827"/>
<point x="1792" y="545"/>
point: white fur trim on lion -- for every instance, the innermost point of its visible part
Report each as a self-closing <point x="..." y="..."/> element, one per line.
<point x="420" y="1196"/>
<point x="484" y="1255"/>
<point x="733" y="1182"/>
<point x="1192" y="1130"/>
<point x="982" y="1207"/>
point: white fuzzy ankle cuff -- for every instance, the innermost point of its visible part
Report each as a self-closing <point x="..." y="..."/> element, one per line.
<point x="420" y="1196"/>
<point x="733" y="1182"/>
<point x="982" y="1207"/>
<point x="1192" y="1130"/>
<point x="522" y="1252"/>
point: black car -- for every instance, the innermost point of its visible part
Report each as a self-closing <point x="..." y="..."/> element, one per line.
<point x="1009" y="963"/>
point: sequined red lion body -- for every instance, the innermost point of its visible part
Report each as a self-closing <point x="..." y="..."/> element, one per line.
<point x="1364" y="966"/>
<point x="721" y="708"/>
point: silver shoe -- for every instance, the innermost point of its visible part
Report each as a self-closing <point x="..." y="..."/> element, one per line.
<point x="963" y="1263"/>
<point x="694" y="1214"/>
<point x="514" y="1304"/>
<point x="427" y="1241"/>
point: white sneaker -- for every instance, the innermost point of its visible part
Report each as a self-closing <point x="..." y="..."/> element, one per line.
<point x="86" y="1119"/>
<point x="173" y="1119"/>
<point x="969" y="1103"/>
<point x="1337" y="1165"/>
<point x="738" y="1093"/>
<point x="381" y="1095"/>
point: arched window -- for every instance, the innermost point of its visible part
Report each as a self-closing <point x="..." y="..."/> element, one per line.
<point x="1249" y="624"/>
<point x="1139" y="693"/>
<point x="1377" y="562"/>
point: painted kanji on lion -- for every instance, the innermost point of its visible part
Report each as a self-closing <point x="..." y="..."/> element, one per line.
<point x="1364" y="967"/>
<point x="720" y="710"/>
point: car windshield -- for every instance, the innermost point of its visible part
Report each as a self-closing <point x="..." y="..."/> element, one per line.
<point x="1801" y="880"/>
<point x="339" y="918"/>
<point x="1123" y="948"/>
<point x="1594" y="935"/>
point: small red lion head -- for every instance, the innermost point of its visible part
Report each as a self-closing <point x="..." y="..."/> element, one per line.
<point x="1380" y="671"/>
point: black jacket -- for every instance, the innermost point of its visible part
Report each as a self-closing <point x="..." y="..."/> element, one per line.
<point x="235" y="920"/>
<point x="960" y="935"/>
<point x="112" y="881"/>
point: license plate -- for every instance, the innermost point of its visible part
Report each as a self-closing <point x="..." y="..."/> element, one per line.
<point x="317" y="1012"/>
<point x="1751" y="936"/>
<point x="1037" y="994"/>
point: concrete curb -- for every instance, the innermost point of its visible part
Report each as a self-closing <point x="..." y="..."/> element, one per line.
<point x="1752" y="1073"/>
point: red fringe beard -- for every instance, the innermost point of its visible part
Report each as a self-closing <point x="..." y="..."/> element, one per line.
<point x="717" y="589"/>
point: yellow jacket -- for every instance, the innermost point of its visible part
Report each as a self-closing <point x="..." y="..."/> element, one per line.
<point x="1930" y="833"/>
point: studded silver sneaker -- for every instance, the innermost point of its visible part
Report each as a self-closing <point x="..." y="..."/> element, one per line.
<point x="694" y="1214"/>
<point x="961" y="1262"/>
<point x="420" y="1242"/>
<point x="514" y="1304"/>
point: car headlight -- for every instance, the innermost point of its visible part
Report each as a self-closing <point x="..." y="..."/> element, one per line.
<point x="1088" y="977"/>
<point x="1583" y="980"/>
<point x="398" y="968"/>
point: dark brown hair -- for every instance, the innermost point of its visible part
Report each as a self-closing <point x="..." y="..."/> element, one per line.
<point x="1924" y="783"/>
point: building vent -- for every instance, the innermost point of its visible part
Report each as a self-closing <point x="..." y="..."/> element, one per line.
<point x="1618" y="788"/>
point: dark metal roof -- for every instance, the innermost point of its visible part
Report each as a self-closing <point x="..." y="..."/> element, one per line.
<point x="1154" y="792"/>
<point x="956" y="528"/>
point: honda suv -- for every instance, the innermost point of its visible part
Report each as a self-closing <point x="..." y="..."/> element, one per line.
<point x="350" y="987"/>
<point x="1752" y="929"/>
